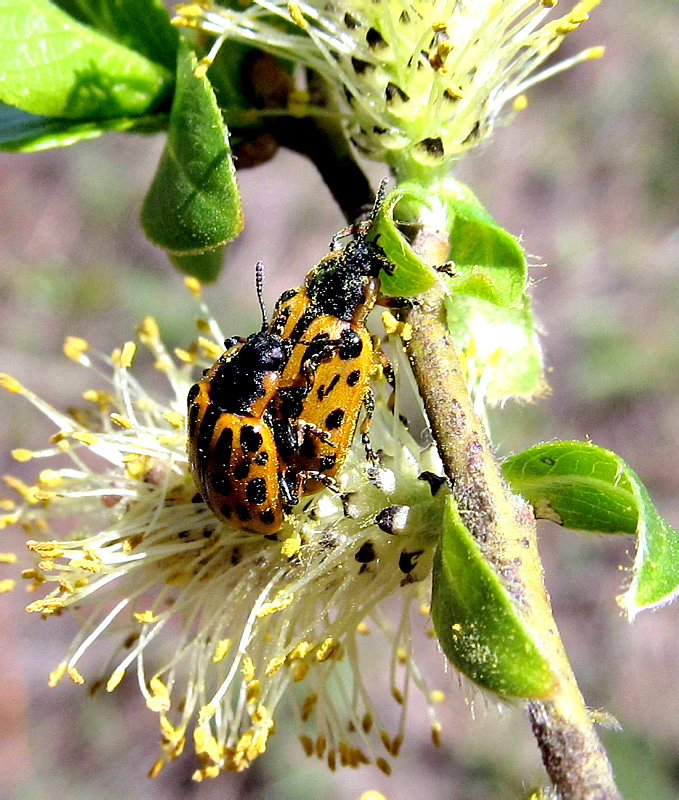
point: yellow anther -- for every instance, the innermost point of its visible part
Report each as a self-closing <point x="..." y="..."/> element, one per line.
<point x="102" y="399"/>
<point x="75" y="346"/>
<point x="390" y="322"/>
<point x="85" y="437"/>
<point x="307" y="744"/>
<point x="156" y="768"/>
<point x="174" y="418"/>
<point x="401" y="655"/>
<point x="383" y="765"/>
<point x="160" y="699"/>
<point x="211" y="349"/>
<point x="206" y="713"/>
<point x="425" y="609"/>
<point x="45" y="549"/>
<point x="127" y="354"/>
<point x="10" y="384"/>
<point x="300" y="651"/>
<point x="116" y="676"/>
<point x="120" y="421"/>
<point x="221" y="650"/>
<point x="193" y="285"/>
<point x="594" y="52"/>
<point x="252" y="691"/>
<point x="321" y="744"/>
<point x="290" y="547"/>
<point x="27" y="492"/>
<point x="21" y="454"/>
<point x="297" y="16"/>
<point x="75" y="676"/>
<point x="184" y="356"/>
<point x="56" y="674"/>
<point x="7" y="505"/>
<point x="300" y="672"/>
<point x="437" y="696"/>
<point x="248" y="668"/>
<point x="308" y="706"/>
<point x="372" y="794"/>
<point x="274" y="665"/>
<point x="278" y="604"/>
<point x="436" y="733"/>
<point x="9" y="519"/>
<point x="145" y="617"/>
<point x="6" y="585"/>
<point x="204" y="327"/>
<point x="148" y="331"/>
<point x="520" y="102"/>
<point x="362" y="628"/>
<point x="367" y="723"/>
<point x="327" y="649"/>
<point x="8" y="558"/>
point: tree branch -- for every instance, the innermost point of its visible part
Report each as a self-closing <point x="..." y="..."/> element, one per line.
<point x="504" y="527"/>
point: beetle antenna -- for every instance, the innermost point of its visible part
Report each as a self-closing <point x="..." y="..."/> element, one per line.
<point x="259" y="283"/>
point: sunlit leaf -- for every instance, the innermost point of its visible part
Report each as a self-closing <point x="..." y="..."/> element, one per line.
<point x="499" y="348"/>
<point x="478" y="624"/>
<point x="53" y="65"/>
<point x="142" y="25"/>
<point x="582" y="486"/>
<point x="489" y="262"/>
<point x="193" y="204"/>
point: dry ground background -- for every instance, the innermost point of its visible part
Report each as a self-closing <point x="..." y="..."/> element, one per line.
<point x="589" y="175"/>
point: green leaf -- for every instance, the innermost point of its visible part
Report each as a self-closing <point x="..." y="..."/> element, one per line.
<point x="478" y="624"/>
<point x="411" y="275"/>
<point x="500" y="348"/>
<point x="193" y="204"/>
<point x="488" y="261"/>
<point x="582" y="486"/>
<point x="204" y="266"/>
<point x="21" y="132"/>
<point x="52" y="65"/>
<point x="141" y="25"/>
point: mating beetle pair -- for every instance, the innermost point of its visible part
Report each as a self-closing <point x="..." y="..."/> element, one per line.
<point x="276" y="414"/>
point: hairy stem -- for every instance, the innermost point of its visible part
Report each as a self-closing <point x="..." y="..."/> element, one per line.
<point x="505" y="530"/>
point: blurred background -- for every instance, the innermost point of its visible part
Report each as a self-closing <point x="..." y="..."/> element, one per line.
<point x="588" y="174"/>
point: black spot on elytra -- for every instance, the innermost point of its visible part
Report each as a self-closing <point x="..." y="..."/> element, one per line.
<point x="222" y="452"/>
<point x="407" y="561"/>
<point x="326" y="463"/>
<point x="324" y="392"/>
<point x="250" y="439"/>
<point x="365" y="553"/>
<point x="242" y="470"/>
<point x="256" y="491"/>
<point x="351" y="345"/>
<point x="226" y="511"/>
<point x="242" y="512"/>
<point x="334" y="419"/>
<point x="267" y="517"/>
<point x="353" y="377"/>
<point x="221" y="483"/>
